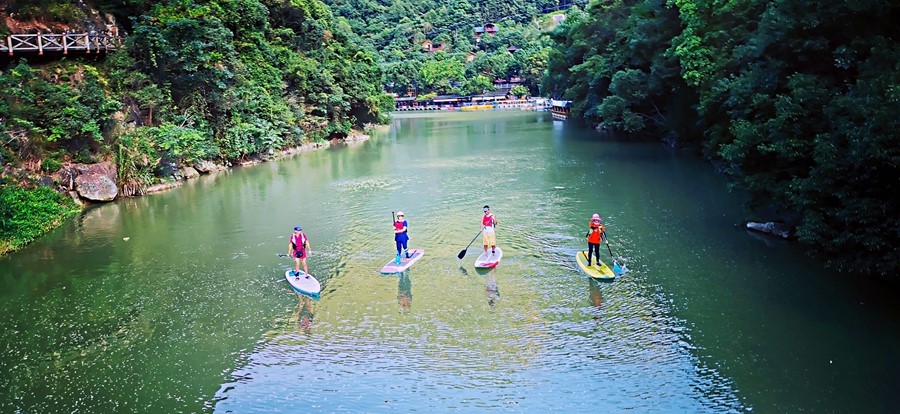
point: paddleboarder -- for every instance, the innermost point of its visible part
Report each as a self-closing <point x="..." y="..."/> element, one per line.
<point x="488" y="223"/>
<point x="596" y="234"/>
<point x="401" y="238"/>
<point x="298" y="248"/>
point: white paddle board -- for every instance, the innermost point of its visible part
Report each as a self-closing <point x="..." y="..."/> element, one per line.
<point x="489" y="260"/>
<point x="305" y="283"/>
<point x="392" y="266"/>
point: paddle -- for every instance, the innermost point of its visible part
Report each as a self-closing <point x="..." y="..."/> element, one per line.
<point x="462" y="253"/>
<point x="616" y="268"/>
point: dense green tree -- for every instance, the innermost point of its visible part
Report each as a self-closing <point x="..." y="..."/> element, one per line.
<point x="41" y="116"/>
<point x="796" y="102"/>
<point x="440" y="73"/>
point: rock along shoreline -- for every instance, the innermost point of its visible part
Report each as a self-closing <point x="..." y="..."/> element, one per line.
<point x="96" y="183"/>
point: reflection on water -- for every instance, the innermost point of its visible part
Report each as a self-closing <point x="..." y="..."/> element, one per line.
<point x="594" y="294"/>
<point x="404" y="291"/>
<point x="491" y="288"/>
<point x="305" y="313"/>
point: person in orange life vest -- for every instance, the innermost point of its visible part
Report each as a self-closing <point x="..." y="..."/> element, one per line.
<point x="488" y="223"/>
<point x="400" y="236"/>
<point x="298" y="248"/>
<point x="596" y="234"/>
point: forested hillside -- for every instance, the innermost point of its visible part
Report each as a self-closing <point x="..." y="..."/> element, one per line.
<point x="221" y="80"/>
<point x="797" y="101"/>
<point x="461" y="60"/>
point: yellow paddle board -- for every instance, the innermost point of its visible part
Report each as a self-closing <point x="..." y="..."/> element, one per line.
<point x="596" y="270"/>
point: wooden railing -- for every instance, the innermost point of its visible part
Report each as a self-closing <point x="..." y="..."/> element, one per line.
<point x="60" y="42"/>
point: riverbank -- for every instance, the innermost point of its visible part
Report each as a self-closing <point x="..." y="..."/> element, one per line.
<point x="33" y="204"/>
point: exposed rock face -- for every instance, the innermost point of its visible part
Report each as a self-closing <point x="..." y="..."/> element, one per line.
<point x="96" y="182"/>
<point x="189" y="173"/>
<point x="777" y="229"/>
<point x="206" y="167"/>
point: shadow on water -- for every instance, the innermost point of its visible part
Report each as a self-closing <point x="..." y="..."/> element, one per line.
<point x="483" y="271"/>
<point x="305" y="313"/>
<point x="491" y="289"/>
<point x="404" y="291"/>
<point x="595" y="296"/>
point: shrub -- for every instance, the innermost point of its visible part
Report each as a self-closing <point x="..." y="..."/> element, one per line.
<point x="51" y="165"/>
<point x="26" y="214"/>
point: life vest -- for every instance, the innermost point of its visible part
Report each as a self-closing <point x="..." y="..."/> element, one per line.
<point x="401" y="224"/>
<point x="487" y="220"/>
<point x="595" y="236"/>
<point x="298" y="241"/>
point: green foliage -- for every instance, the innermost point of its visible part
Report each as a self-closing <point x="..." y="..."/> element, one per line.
<point x="519" y="90"/>
<point x="440" y="74"/>
<point x="197" y="79"/>
<point x="185" y="144"/>
<point x="426" y="96"/>
<point x="70" y="111"/>
<point x="398" y="29"/>
<point x="26" y="214"/>
<point x="614" y="67"/>
<point x="52" y="10"/>
<point x="252" y="76"/>
<point x="136" y="159"/>
<point x="798" y="104"/>
<point x="51" y="165"/>
<point x="480" y="84"/>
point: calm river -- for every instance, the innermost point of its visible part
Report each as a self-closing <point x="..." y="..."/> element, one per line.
<point x="177" y="302"/>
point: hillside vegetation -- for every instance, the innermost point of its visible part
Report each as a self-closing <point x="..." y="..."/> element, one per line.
<point x="795" y="101"/>
<point x="468" y="61"/>
<point x="223" y="80"/>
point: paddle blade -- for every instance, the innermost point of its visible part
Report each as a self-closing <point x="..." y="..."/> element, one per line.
<point x="462" y="253"/>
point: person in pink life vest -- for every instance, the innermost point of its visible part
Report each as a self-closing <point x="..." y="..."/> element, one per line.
<point x="488" y="223"/>
<point x="298" y="248"/>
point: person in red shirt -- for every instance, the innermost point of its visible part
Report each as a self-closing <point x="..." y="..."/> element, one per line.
<point x="596" y="234"/>
<point x="298" y="248"/>
<point x="401" y="238"/>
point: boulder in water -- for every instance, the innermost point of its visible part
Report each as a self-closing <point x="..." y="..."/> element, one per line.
<point x="189" y="173"/>
<point x="770" y="227"/>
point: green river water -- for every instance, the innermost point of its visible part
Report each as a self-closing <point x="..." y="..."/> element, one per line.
<point x="177" y="302"/>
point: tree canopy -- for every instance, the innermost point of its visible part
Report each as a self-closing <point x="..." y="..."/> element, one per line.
<point x="796" y="101"/>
